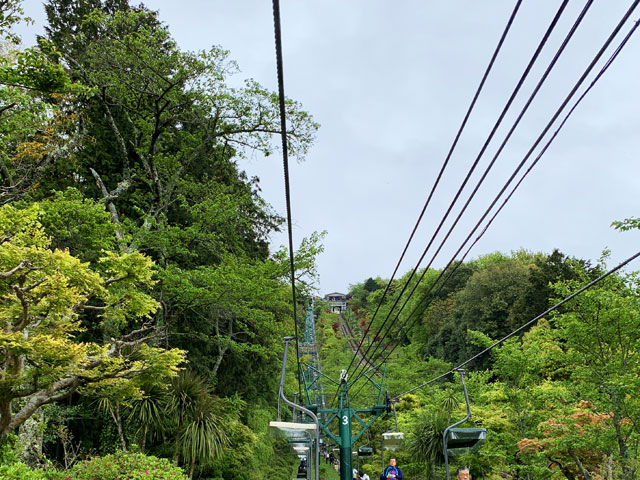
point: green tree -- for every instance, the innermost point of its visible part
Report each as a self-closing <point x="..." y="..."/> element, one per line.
<point x="36" y="130"/>
<point x="425" y="442"/>
<point x="200" y="429"/>
<point x="44" y="292"/>
<point x="602" y="333"/>
<point x="148" y="412"/>
<point x="164" y="137"/>
<point x="129" y="145"/>
<point x="168" y="118"/>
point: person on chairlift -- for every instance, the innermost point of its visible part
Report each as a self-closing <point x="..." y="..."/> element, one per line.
<point x="463" y="473"/>
<point x="392" y="472"/>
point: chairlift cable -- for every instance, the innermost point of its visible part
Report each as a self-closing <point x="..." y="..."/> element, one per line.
<point x="522" y="327"/>
<point x="497" y="124"/>
<point x="576" y="87"/>
<point x="544" y="149"/>
<point x="442" y="169"/>
<point x="285" y="162"/>
<point x="496" y="155"/>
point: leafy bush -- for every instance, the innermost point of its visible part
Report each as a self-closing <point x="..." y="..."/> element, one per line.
<point x="131" y="466"/>
<point x="10" y="450"/>
<point x="20" y="471"/>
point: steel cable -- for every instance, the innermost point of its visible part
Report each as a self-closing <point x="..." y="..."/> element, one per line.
<point x="560" y="109"/>
<point x="497" y="124"/>
<point x="522" y="327"/>
<point x="444" y="166"/>
<point x="285" y="162"/>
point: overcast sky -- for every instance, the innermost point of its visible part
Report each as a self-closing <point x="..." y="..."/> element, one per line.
<point x="390" y="82"/>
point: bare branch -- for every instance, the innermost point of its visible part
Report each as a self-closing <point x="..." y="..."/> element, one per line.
<point x="110" y="205"/>
<point x="91" y="307"/>
<point x="21" y="266"/>
<point x="7" y="107"/>
<point x="114" y="280"/>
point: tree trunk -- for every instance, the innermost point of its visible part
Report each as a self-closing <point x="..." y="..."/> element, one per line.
<point x="177" y="449"/>
<point x="31" y="435"/>
<point x="584" y="472"/>
<point x="627" y="471"/>
<point x="221" y="349"/>
<point x="115" y="414"/>
<point x="5" y="419"/>
<point x="565" y="471"/>
<point x="144" y="438"/>
<point x="193" y="464"/>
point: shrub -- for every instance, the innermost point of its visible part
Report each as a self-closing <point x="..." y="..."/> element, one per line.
<point x="20" y="471"/>
<point x="127" y="466"/>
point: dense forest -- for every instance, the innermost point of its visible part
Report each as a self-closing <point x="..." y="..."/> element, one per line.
<point x="143" y="307"/>
<point x="143" y="310"/>
<point x="559" y="400"/>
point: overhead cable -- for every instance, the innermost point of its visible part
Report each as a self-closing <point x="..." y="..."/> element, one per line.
<point x="587" y="71"/>
<point x="522" y="327"/>
<point x="493" y="160"/>
<point x="544" y="149"/>
<point x="285" y="162"/>
<point x="496" y="125"/>
<point x="442" y="169"/>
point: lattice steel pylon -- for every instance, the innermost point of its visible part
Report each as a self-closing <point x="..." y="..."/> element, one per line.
<point x="310" y="367"/>
<point x="314" y="398"/>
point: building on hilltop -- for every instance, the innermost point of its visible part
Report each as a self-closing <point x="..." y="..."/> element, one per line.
<point x="337" y="300"/>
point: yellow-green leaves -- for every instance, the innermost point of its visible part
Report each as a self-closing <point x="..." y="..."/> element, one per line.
<point x="128" y="274"/>
<point x="47" y="296"/>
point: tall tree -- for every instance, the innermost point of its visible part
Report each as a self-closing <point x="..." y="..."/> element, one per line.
<point x="602" y="334"/>
<point x="164" y="137"/>
<point x="44" y="293"/>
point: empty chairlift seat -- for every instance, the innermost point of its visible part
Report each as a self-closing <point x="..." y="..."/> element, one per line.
<point x="465" y="440"/>
<point x="392" y="440"/>
<point x="365" y="451"/>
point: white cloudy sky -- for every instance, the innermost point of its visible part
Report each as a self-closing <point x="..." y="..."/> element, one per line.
<point x="390" y="82"/>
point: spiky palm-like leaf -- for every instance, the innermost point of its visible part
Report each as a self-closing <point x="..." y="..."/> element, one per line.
<point x="149" y="412"/>
<point x="450" y="403"/>
<point x="426" y="441"/>
<point x="185" y="392"/>
<point x="203" y="436"/>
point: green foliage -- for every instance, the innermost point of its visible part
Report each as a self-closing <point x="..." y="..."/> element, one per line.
<point x="11" y="13"/>
<point x="132" y="466"/>
<point x="78" y="224"/>
<point x="36" y="126"/>
<point x="43" y="293"/>
<point x="204" y="433"/>
<point x="334" y="350"/>
<point x="116" y="142"/>
<point x="10" y="450"/>
<point x="282" y="465"/>
<point x="20" y="471"/>
<point x="626" y="224"/>
<point x="425" y="442"/>
<point x="148" y="412"/>
<point x="558" y="402"/>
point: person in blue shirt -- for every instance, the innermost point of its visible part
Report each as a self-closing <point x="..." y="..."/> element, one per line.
<point x="392" y="472"/>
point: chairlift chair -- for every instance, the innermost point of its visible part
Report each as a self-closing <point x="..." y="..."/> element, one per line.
<point x="365" y="451"/>
<point x="391" y="440"/>
<point x="461" y="440"/>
